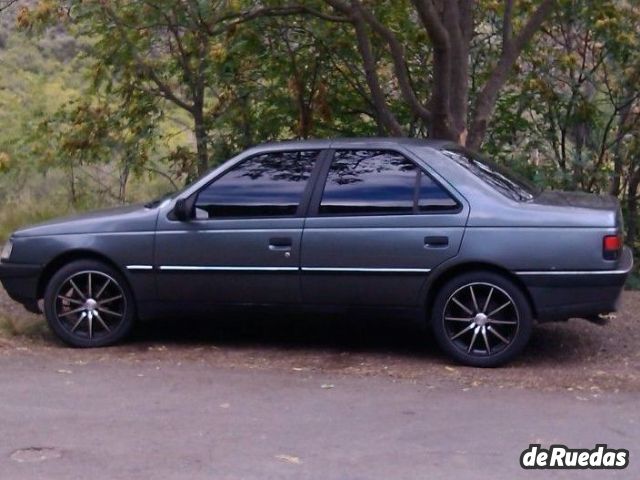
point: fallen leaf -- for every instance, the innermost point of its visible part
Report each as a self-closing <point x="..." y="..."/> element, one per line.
<point x="159" y="348"/>
<point x="289" y="459"/>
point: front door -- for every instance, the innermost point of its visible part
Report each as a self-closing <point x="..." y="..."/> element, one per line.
<point x="376" y="229"/>
<point x="243" y="246"/>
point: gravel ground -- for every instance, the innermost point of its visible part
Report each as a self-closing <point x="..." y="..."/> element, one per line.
<point x="574" y="356"/>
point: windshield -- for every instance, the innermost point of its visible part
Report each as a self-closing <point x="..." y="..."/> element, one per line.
<point x="500" y="178"/>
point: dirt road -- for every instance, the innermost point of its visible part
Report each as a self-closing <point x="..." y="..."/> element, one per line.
<point x="325" y="398"/>
<point x="112" y="420"/>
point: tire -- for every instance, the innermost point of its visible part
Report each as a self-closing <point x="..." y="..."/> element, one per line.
<point x="88" y="303"/>
<point x="479" y="332"/>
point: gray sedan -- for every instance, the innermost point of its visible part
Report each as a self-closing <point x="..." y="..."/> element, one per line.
<point x="403" y="225"/>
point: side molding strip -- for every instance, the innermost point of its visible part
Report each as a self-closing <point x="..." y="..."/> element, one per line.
<point x="224" y="268"/>
<point x="373" y="270"/>
<point x="354" y="269"/>
<point x="574" y="272"/>
<point x="196" y="268"/>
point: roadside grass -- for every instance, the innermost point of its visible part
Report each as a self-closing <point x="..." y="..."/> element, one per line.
<point x="15" y="216"/>
<point x="633" y="281"/>
<point x="43" y="197"/>
<point x="13" y="327"/>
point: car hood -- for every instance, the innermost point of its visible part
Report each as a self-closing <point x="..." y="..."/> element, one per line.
<point x="131" y="218"/>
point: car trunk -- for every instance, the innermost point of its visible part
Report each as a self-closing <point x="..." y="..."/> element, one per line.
<point x="577" y="199"/>
<point x="581" y="200"/>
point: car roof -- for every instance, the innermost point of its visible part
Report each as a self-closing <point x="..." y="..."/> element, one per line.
<point x="362" y="142"/>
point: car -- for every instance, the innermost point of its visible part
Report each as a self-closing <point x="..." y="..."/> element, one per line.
<point x="397" y="225"/>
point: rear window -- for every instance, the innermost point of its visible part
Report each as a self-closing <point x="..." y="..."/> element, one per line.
<point x="500" y="178"/>
<point x="380" y="182"/>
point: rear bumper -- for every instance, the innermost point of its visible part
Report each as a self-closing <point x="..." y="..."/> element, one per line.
<point x="581" y="294"/>
<point x="21" y="283"/>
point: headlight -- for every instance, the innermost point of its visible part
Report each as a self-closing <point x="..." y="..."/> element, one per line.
<point x="6" y="250"/>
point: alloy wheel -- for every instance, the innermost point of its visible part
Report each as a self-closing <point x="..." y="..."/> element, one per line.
<point x="90" y="305"/>
<point x="480" y="319"/>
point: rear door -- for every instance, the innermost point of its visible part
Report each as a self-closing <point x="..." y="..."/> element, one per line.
<point x="376" y="227"/>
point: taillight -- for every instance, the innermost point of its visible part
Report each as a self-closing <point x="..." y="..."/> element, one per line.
<point x="611" y="246"/>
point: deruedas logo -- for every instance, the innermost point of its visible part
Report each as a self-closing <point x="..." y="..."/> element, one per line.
<point x="560" y="456"/>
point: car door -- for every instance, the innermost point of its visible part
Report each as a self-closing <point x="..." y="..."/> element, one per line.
<point x="376" y="227"/>
<point x="243" y="244"/>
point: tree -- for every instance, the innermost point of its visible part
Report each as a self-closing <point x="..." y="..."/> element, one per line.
<point x="449" y="25"/>
<point x="573" y="116"/>
<point x="148" y="46"/>
<point x="414" y="59"/>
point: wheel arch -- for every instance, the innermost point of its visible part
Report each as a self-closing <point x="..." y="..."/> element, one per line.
<point x="70" y="256"/>
<point x="443" y="276"/>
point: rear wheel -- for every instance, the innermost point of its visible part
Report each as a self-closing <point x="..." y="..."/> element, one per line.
<point x="481" y="319"/>
<point x="89" y="304"/>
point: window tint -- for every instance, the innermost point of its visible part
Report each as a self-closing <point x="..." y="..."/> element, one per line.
<point x="432" y="197"/>
<point x="380" y="182"/>
<point x="265" y="185"/>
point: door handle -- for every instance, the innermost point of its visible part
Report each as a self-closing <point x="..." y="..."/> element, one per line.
<point x="283" y="244"/>
<point x="436" y="242"/>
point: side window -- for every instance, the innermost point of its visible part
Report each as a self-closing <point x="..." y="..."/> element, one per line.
<point x="266" y="185"/>
<point x="369" y="182"/>
<point x="432" y="197"/>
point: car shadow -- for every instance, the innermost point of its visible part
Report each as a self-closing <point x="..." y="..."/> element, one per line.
<point x="550" y="344"/>
<point x="564" y="343"/>
<point x="363" y="333"/>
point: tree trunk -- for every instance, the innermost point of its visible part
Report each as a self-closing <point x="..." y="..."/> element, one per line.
<point x="632" y="208"/>
<point x="122" y="185"/>
<point x="72" y="185"/>
<point x="247" y="130"/>
<point x="202" y="149"/>
<point x="614" y="187"/>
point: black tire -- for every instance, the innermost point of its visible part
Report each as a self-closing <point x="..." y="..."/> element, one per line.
<point x="481" y="319"/>
<point x="80" y="320"/>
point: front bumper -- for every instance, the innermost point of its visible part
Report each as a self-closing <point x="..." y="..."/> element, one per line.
<point x="21" y="283"/>
<point x="577" y="294"/>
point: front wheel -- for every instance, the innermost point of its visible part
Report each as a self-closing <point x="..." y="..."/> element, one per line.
<point x="481" y="319"/>
<point x="89" y="304"/>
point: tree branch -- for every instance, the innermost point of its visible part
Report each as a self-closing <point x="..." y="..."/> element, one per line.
<point x="399" y="62"/>
<point x="146" y="70"/>
<point x="231" y="20"/>
<point x="507" y="25"/>
<point x="7" y="4"/>
<point x="385" y="116"/>
<point x="486" y="99"/>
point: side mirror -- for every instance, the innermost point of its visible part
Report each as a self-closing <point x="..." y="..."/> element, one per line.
<point x="182" y="210"/>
